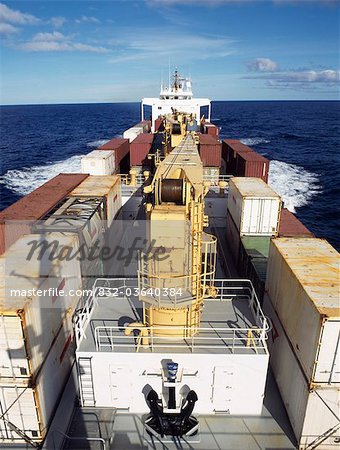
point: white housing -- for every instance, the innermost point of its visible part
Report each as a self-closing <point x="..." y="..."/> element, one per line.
<point x="98" y="162"/>
<point x="254" y="206"/>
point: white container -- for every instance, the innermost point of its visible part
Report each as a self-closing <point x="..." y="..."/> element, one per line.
<point x="33" y="411"/>
<point x="254" y="206"/>
<point x="41" y="295"/>
<point x="77" y="215"/>
<point x="98" y="162"/>
<point x="309" y="410"/>
<point x="133" y="132"/>
<point x="303" y="285"/>
<point x="108" y="187"/>
<point x="23" y="414"/>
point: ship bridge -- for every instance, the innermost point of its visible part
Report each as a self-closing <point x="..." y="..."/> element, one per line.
<point x="176" y="96"/>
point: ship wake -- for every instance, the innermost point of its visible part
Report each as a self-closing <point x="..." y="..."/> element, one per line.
<point x="24" y="181"/>
<point x="295" y="184"/>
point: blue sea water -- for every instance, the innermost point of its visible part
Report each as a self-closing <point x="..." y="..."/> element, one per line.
<point x="300" y="139"/>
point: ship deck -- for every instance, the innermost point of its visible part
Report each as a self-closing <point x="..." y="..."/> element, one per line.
<point x="108" y="429"/>
<point x="224" y="328"/>
<point x="104" y="428"/>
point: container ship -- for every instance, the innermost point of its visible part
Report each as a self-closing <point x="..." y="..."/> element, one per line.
<point x="164" y="298"/>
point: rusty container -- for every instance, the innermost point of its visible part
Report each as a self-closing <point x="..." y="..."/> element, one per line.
<point x="210" y="150"/>
<point x="159" y="124"/>
<point x="211" y="129"/>
<point x="230" y="149"/>
<point x="17" y="219"/>
<point x="120" y="146"/>
<point x="139" y="149"/>
<point x="290" y="226"/>
<point x="251" y="164"/>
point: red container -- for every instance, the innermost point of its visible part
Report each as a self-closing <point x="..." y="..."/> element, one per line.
<point x="139" y="148"/>
<point x="159" y="126"/>
<point x="290" y="226"/>
<point x="251" y="164"/>
<point x="17" y="219"/>
<point x="121" y="148"/>
<point x="211" y="129"/>
<point x="230" y="149"/>
<point x="210" y="150"/>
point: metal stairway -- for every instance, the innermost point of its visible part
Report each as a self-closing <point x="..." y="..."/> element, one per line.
<point x="86" y="382"/>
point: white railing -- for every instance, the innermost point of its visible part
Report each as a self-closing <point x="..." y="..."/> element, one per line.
<point x="112" y="337"/>
<point x="82" y="316"/>
<point x="249" y="340"/>
<point x="215" y="179"/>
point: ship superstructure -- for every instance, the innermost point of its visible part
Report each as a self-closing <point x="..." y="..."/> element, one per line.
<point x="177" y="95"/>
<point x="188" y="277"/>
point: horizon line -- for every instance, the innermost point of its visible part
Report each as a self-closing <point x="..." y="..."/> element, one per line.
<point x="138" y="102"/>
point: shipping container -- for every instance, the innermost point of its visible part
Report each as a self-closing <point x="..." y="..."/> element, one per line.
<point x="312" y="411"/>
<point x="209" y="150"/>
<point x="40" y="286"/>
<point x="139" y="149"/>
<point x="303" y="285"/>
<point x="211" y="129"/>
<point x="254" y="206"/>
<point x="31" y="406"/>
<point x="108" y="187"/>
<point x="159" y="124"/>
<point x="86" y="217"/>
<point x="120" y="146"/>
<point x="233" y="239"/>
<point x="251" y="164"/>
<point x="99" y="162"/>
<point x="230" y="149"/>
<point x="290" y="225"/>
<point x="132" y="133"/>
<point x="17" y="219"/>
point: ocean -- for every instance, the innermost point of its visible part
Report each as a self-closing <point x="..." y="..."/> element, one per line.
<point x="300" y="138"/>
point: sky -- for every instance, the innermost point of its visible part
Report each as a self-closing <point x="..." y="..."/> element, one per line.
<point x="117" y="51"/>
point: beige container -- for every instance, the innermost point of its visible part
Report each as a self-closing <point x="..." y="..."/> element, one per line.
<point x="98" y="162"/>
<point x="37" y="300"/>
<point x="133" y="132"/>
<point x="108" y="187"/>
<point x="254" y="206"/>
<point x="31" y="408"/>
<point x="303" y="285"/>
<point x="310" y="411"/>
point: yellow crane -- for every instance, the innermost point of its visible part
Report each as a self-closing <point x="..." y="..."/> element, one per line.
<point x="179" y="272"/>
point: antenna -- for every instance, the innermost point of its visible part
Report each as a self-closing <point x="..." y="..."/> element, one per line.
<point x="169" y="72"/>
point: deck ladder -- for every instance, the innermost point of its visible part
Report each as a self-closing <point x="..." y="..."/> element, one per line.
<point x="86" y="382"/>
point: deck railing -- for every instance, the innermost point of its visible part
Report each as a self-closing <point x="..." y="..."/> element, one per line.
<point x="230" y="340"/>
<point x="108" y="338"/>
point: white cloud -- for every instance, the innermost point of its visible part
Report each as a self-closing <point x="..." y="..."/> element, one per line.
<point x="153" y="43"/>
<point x="262" y="65"/>
<point x="300" y="79"/>
<point x="57" y="42"/>
<point x="58" y="21"/>
<point x="13" y="16"/>
<point x="55" y="36"/>
<point x="87" y="19"/>
<point x="6" y="28"/>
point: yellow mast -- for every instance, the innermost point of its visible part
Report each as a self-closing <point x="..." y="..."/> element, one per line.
<point x="172" y="288"/>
